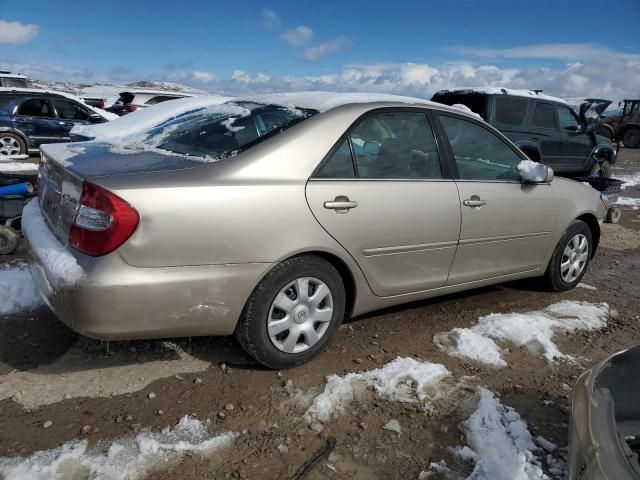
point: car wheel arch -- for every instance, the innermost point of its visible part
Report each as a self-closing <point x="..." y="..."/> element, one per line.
<point x="592" y="222"/>
<point x="19" y="133"/>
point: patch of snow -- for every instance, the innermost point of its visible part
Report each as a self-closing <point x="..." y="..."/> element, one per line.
<point x="17" y="290"/>
<point x="10" y="158"/>
<point x="546" y="445"/>
<point x="628" y="202"/>
<point x="130" y="458"/>
<point x="62" y="153"/>
<point x="586" y="287"/>
<point x="532" y="171"/>
<point x="534" y="330"/>
<point x="393" y="425"/>
<point x="103" y="113"/>
<point x="403" y="380"/>
<point x="500" y="443"/>
<point x="61" y="268"/>
<point x="19" y="167"/>
<point x="630" y="180"/>
<point x="506" y="91"/>
<point x="465" y="109"/>
<point x="146" y="118"/>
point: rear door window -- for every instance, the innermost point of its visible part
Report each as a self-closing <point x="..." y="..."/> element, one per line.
<point x="69" y="110"/>
<point x="340" y="165"/>
<point x="511" y="110"/>
<point x="543" y="115"/>
<point x="158" y="99"/>
<point x="36" y="107"/>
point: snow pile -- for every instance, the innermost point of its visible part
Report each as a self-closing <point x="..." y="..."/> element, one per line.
<point x="61" y="268"/>
<point x="462" y="107"/>
<point x="508" y="91"/>
<point x="62" y="153"/>
<point x="532" y="171"/>
<point x="628" y="202"/>
<point x="11" y="158"/>
<point x="19" y="167"/>
<point x="631" y="180"/>
<point x="532" y="329"/>
<point x="146" y="118"/>
<point x="403" y="380"/>
<point x="17" y="290"/>
<point x="126" y="459"/>
<point x="586" y="287"/>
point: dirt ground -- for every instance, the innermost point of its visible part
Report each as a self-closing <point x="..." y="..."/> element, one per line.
<point x="48" y="373"/>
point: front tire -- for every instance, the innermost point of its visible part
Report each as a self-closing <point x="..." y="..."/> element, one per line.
<point x="570" y="258"/>
<point x="293" y="312"/>
<point x="11" y="145"/>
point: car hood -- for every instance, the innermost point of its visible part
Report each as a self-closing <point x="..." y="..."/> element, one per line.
<point x="90" y="160"/>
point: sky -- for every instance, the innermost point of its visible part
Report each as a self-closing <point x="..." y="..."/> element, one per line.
<point x="567" y="48"/>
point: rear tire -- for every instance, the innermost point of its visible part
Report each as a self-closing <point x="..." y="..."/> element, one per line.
<point x="9" y="240"/>
<point x="281" y="325"/>
<point x="569" y="263"/>
<point x="631" y="138"/>
<point x="11" y="145"/>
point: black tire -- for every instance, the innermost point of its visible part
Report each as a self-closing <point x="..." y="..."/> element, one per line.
<point x="552" y="278"/>
<point x="251" y="330"/>
<point x="9" y="240"/>
<point x="614" y="214"/>
<point x="601" y="169"/>
<point x="17" y="138"/>
<point x="631" y="138"/>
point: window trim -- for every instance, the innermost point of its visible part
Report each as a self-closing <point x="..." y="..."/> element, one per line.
<point x="488" y="128"/>
<point x="553" y="109"/>
<point x="19" y="104"/>
<point x="445" y="168"/>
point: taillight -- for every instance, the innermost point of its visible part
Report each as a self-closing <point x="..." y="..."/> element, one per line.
<point x="102" y="222"/>
<point x="102" y="105"/>
<point x="129" y="108"/>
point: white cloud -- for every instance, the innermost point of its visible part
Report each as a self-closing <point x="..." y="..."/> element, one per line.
<point x="315" y="53"/>
<point x="16" y="33"/>
<point x="297" y="36"/>
<point x="271" y="20"/>
<point x="550" y="51"/>
<point x="202" y="76"/>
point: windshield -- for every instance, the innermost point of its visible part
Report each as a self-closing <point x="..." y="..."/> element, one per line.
<point x="224" y="130"/>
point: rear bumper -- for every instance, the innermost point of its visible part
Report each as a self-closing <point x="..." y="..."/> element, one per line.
<point x="118" y="302"/>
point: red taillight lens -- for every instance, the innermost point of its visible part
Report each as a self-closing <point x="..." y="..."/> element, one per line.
<point x="103" y="221"/>
<point x="129" y="108"/>
<point x="102" y="104"/>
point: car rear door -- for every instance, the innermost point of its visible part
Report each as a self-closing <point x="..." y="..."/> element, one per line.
<point x="546" y="134"/>
<point x="386" y="196"/>
<point x="69" y="113"/>
<point x="36" y="118"/>
<point x="507" y="225"/>
<point x="576" y="143"/>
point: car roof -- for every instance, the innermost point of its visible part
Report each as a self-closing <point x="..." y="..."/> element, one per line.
<point x="506" y="91"/>
<point x="168" y="93"/>
<point x="324" y="101"/>
<point x="12" y="75"/>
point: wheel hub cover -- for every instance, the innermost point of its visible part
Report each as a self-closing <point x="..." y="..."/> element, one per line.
<point x="301" y="314"/>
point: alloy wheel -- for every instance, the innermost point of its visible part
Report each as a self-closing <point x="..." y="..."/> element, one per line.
<point x="300" y="315"/>
<point x="574" y="258"/>
<point x="9" y="146"/>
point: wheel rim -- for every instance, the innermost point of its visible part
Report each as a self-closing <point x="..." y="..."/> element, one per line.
<point x="300" y="315"/>
<point x="9" y="146"/>
<point x="574" y="258"/>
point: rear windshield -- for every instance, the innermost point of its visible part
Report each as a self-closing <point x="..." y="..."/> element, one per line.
<point x="477" y="102"/>
<point x="159" y="99"/>
<point x="15" y="82"/>
<point x="225" y="130"/>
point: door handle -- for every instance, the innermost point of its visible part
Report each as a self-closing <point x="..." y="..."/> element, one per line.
<point x="474" y="202"/>
<point x="341" y="204"/>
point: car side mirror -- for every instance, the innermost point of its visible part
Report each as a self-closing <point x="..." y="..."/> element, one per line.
<point x="550" y="175"/>
<point x="371" y="148"/>
<point x="534" y="172"/>
<point x="95" y="118"/>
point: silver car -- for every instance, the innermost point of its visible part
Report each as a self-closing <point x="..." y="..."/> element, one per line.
<point x="276" y="217"/>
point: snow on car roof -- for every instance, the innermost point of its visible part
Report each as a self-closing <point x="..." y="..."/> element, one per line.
<point x="168" y="93"/>
<point x="506" y="91"/>
<point x="323" y="101"/>
<point x="104" y="114"/>
<point x="144" y="119"/>
<point x="13" y="75"/>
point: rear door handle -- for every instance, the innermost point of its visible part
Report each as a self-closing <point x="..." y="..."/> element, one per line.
<point x="474" y="202"/>
<point x="341" y="204"/>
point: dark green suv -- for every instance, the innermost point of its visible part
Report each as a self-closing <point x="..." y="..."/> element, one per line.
<point x="545" y="128"/>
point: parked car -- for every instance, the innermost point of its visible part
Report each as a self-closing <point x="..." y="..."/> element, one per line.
<point x="546" y="128"/>
<point x="132" y="100"/>
<point x="276" y="216"/>
<point x="8" y="79"/>
<point x="97" y="102"/>
<point x="604" y="433"/>
<point x="32" y="117"/>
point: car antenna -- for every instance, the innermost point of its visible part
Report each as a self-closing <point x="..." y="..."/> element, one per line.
<point x="537" y="92"/>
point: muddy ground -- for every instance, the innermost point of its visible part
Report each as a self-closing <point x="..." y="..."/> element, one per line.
<point x="48" y="373"/>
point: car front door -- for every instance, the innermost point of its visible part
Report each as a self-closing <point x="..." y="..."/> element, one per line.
<point x="385" y="196"/>
<point x="576" y="143"/>
<point x="69" y="113"/>
<point x="36" y="119"/>
<point x="507" y="225"/>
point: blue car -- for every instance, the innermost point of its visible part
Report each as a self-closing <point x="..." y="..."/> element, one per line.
<point x="30" y="117"/>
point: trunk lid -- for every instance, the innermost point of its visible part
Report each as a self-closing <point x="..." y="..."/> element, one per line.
<point x="66" y="166"/>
